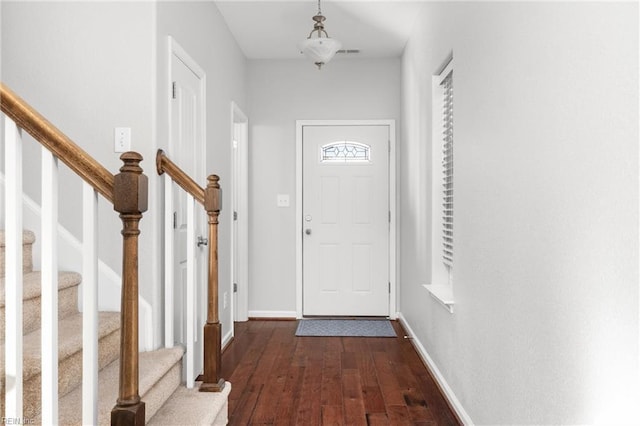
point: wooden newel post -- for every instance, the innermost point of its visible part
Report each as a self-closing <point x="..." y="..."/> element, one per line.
<point x="130" y="200"/>
<point x="211" y="380"/>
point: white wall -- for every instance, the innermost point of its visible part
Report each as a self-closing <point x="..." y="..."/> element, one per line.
<point x="199" y="29"/>
<point x="281" y="92"/>
<point x="545" y="328"/>
<point x="88" y="67"/>
<point x="92" y="66"/>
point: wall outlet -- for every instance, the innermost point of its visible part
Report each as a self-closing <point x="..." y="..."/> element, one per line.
<point x="122" y="139"/>
<point x="225" y="300"/>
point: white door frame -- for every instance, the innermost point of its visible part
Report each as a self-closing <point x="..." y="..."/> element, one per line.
<point x="174" y="49"/>
<point x="240" y="195"/>
<point x="392" y="203"/>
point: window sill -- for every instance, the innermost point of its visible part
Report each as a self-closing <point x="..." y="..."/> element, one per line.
<point x="443" y="294"/>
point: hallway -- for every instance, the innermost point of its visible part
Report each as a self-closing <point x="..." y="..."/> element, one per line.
<point x="282" y="379"/>
<point x="537" y="320"/>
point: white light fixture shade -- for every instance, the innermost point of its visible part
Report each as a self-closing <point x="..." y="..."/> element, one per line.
<point x="319" y="49"/>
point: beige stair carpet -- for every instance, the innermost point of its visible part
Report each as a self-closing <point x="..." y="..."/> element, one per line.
<point x="67" y="299"/>
<point x="69" y="356"/>
<point x="160" y="373"/>
<point x="166" y="402"/>
<point x="28" y="238"/>
<point x="192" y="407"/>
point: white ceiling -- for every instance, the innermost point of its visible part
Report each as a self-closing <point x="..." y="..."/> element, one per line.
<point x="272" y="29"/>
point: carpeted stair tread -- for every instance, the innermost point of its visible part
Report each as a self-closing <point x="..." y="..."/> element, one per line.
<point x="28" y="237"/>
<point x="69" y="357"/>
<point x="32" y="285"/>
<point x="154" y="366"/>
<point x="69" y="340"/>
<point x="192" y="407"/>
<point x="67" y="300"/>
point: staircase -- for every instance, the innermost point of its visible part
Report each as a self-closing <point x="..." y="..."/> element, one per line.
<point x="167" y="402"/>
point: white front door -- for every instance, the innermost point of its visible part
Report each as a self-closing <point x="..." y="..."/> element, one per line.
<point x="187" y="150"/>
<point x="345" y="221"/>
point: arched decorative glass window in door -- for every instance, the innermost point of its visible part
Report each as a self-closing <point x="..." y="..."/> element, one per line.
<point x="345" y="152"/>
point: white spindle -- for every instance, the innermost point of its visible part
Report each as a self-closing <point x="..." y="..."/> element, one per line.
<point x="89" y="305"/>
<point x="190" y="296"/>
<point x="13" y="271"/>
<point x="49" y="294"/>
<point x="168" y="262"/>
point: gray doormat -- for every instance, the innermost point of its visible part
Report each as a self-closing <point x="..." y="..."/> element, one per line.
<point x="345" y="328"/>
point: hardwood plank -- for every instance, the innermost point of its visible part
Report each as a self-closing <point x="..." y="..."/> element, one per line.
<point x="354" y="344"/>
<point x="414" y="398"/>
<point x="334" y="344"/>
<point x="373" y="400"/>
<point x="270" y="351"/>
<point x="290" y="397"/>
<point x="243" y="373"/>
<point x="271" y="395"/>
<point x="377" y="419"/>
<point x="417" y="406"/>
<point x="398" y="415"/>
<point x="332" y="415"/>
<point x="309" y="408"/>
<point x="367" y="369"/>
<point x="242" y="413"/>
<point x="437" y="404"/>
<point x="371" y="393"/>
<point x="349" y="361"/>
<point x="387" y="379"/>
<point x="331" y="390"/>
<point x="354" y="411"/>
<point x="282" y="379"/>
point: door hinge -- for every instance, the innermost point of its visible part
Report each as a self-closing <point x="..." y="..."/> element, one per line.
<point x="175" y="220"/>
<point x="235" y="287"/>
<point x="173" y="90"/>
<point x="389" y="145"/>
<point x="389" y="216"/>
<point x="389" y="288"/>
<point x="235" y="215"/>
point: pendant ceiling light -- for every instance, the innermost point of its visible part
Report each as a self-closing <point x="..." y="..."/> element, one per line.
<point x="318" y="46"/>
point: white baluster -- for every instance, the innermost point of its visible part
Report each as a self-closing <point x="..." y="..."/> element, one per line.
<point x="49" y="295"/>
<point x="168" y="262"/>
<point x="89" y="305"/>
<point x="13" y="271"/>
<point x="190" y="296"/>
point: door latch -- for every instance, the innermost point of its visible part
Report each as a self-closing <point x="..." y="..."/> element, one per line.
<point x="202" y="241"/>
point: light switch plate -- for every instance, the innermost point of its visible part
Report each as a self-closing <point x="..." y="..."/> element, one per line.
<point x="122" y="139"/>
<point x="283" y="200"/>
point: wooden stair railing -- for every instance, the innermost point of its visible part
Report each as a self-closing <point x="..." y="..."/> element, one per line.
<point x="209" y="197"/>
<point x="127" y="191"/>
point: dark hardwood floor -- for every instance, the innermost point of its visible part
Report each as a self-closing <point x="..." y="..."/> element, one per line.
<point x="281" y="379"/>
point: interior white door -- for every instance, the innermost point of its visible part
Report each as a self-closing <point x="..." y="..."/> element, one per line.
<point x="239" y="231"/>
<point x="187" y="148"/>
<point x="345" y="220"/>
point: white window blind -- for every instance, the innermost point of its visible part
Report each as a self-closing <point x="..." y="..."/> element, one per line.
<point x="447" y="169"/>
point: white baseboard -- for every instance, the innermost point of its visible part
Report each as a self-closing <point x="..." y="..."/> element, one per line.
<point x="435" y="372"/>
<point x="272" y="314"/>
<point x="226" y="339"/>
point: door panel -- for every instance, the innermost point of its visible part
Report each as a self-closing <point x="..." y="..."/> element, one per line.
<point x="187" y="148"/>
<point x="346" y="220"/>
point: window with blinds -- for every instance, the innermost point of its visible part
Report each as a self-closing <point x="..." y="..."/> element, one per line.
<point x="447" y="169"/>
